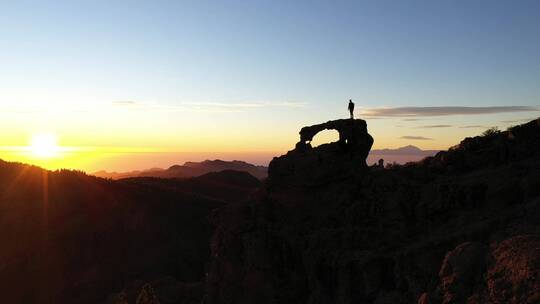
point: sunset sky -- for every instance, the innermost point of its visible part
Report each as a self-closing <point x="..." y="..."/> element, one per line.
<point x="122" y="85"/>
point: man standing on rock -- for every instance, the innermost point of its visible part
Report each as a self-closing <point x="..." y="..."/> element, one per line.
<point x="351" y="108"/>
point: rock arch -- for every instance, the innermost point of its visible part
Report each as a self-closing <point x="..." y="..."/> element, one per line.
<point x="351" y="131"/>
<point x="309" y="166"/>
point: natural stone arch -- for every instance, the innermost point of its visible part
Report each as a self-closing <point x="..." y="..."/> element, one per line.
<point x="349" y="130"/>
<point x="310" y="166"/>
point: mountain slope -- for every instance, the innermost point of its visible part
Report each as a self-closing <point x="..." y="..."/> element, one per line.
<point x="458" y="227"/>
<point x="227" y="185"/>
<point x="71" y="238"/>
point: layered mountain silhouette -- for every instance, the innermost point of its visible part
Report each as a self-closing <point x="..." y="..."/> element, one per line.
<point x="401" y="155"/>
<point x="406" y="150"/>
<point x="460" y="226"/>
<point x="190" y="169"/>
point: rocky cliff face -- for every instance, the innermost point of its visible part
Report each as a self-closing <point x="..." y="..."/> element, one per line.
<point x="306" y="166"/>
<point x="461" y="227"/>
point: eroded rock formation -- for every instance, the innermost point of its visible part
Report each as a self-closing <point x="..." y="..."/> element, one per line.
<point x="308" y="166"/>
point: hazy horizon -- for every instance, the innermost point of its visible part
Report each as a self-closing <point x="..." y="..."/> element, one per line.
<point x="118" y="159"/>
<point x="137" y="161"/>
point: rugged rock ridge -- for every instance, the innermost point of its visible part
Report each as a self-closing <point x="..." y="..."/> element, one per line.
<point x="408" y="234"/>
<point x="308" y="166"/>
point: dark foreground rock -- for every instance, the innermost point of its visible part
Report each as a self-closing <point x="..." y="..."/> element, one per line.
<point x="460" y="227"/>
<point x="505" y="272"/>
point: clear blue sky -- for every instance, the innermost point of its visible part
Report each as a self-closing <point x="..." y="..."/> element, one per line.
<point x="395" y="52"/>
<point x="282" y="64"/>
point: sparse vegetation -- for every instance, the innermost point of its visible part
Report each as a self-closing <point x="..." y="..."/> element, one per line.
<point x="491" y="132"/>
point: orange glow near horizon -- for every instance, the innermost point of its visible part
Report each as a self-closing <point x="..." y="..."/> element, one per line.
<point x="90" y="142"/>
<point x="51" y="151"/>
<point x="44" y="150"/>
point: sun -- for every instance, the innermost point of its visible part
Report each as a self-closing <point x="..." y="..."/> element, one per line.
<point x="44" y="145"/>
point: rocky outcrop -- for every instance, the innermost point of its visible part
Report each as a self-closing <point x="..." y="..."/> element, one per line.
<point x="428" y="232"/>
<point x="461" y="272"/>
<point x="505" y="272"/>
<point x="493" y="149"/>
<point x="308" y="166"/>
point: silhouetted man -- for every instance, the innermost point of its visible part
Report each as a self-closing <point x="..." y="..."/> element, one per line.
<point x="351" y="108"/>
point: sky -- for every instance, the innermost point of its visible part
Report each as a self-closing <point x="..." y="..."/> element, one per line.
<point x="125" y="85"/>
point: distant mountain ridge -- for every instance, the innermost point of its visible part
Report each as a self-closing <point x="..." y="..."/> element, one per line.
<point x="120" y="175"/>
<point x="400" y="155"/>
<point x="190" y="169"/>
<point x="406" y="150"/>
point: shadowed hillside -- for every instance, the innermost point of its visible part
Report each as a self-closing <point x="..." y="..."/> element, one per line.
<point x="71" y="238"/>
<point x="227" y="185"/>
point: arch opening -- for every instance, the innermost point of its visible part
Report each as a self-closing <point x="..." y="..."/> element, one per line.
<point x="325" y="137"/>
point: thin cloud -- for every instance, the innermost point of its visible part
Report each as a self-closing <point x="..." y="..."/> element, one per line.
<point x="519" y="120"/>
<point x="473" y="127"/>
<point x="434" y="126"/>
<point x="410" y="137"/>
<point x="286" y="104"/>
<point x="213" y="107"/>
<point x="443" y="111"/>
